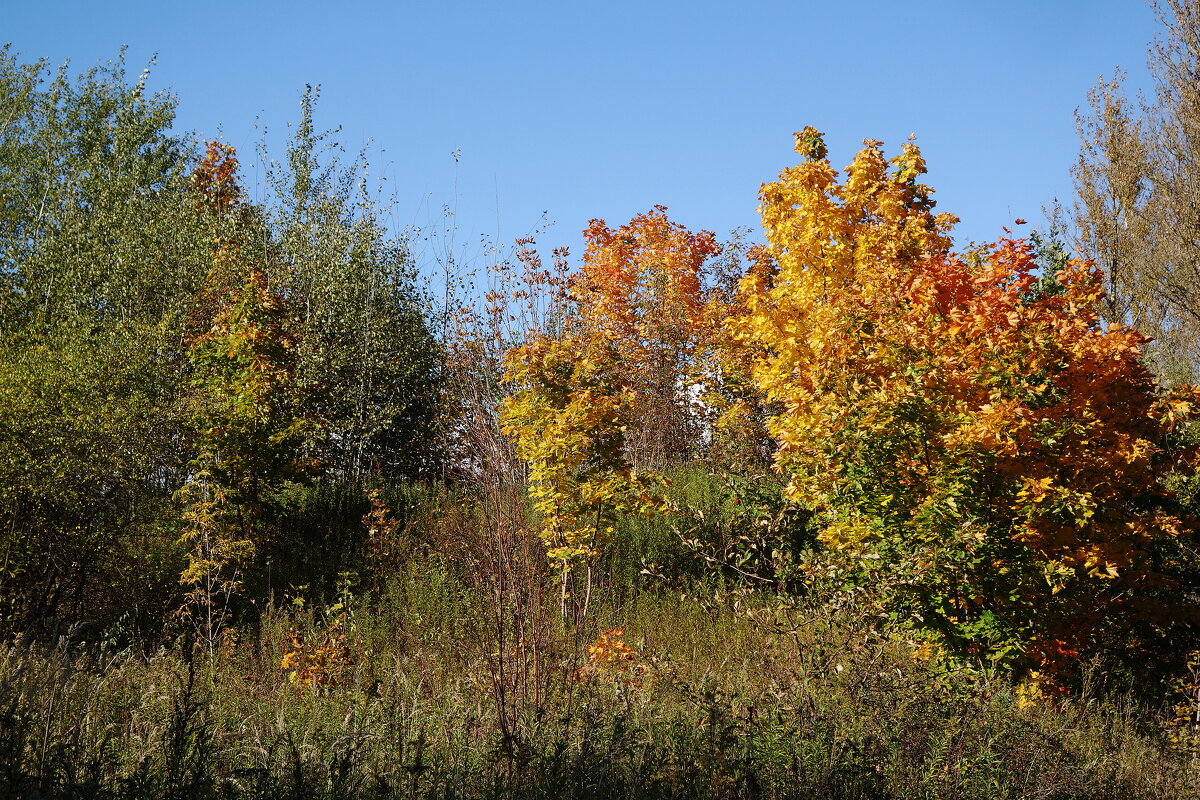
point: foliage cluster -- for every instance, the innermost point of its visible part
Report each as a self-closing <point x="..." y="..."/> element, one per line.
<point x="989" y="462"/>
<point x="172" y="353"/>
<point x="832" y="515"/>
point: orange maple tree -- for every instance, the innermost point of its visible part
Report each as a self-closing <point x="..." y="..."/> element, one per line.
<point x="642" y="287"/>
<point x="609" y="389"/>
<point x="988" y="460"/>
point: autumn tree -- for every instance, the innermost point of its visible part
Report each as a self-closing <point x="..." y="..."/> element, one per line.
<point x="243" y="400"/>
<point x="569" y="420"/>
<point x="642" y="370"/>
<point x="1137" y="183"/>
<point x="986" y="457"/>
<point x="641" y="287"/>
<point x="608" y="390"/>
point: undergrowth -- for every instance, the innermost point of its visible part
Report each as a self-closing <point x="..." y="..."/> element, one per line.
<point x="448" y="672"/>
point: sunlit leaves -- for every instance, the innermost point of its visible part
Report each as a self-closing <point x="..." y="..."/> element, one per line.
<point x="568" y="421"/>
<point x="987" y="457"/>
<point x="611" y="388"/>
<point x="641" y="288"/>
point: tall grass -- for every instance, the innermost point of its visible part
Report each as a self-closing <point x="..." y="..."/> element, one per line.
<point x="795" y="703"/>
<point x="454" y="676"/>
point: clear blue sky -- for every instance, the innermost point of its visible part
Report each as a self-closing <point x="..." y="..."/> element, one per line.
<point x="585" y="110"/>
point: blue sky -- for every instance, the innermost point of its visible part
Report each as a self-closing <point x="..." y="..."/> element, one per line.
<point x="603" y="110"/>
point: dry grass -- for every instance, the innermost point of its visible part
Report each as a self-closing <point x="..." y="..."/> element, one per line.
<point x="456" y="678"/>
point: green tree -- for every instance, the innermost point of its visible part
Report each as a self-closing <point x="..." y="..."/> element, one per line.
<point x="366" y="358"/>
<point x="158" y="331"/>
<point x="91" y="208"/>
<point x="99" y="250"/>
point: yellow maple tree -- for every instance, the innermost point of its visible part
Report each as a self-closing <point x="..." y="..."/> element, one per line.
<point x="987" y="458"/>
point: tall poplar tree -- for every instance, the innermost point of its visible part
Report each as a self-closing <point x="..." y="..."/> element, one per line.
<point x="1137" y="184"/>
<point x="366" y="357"/>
